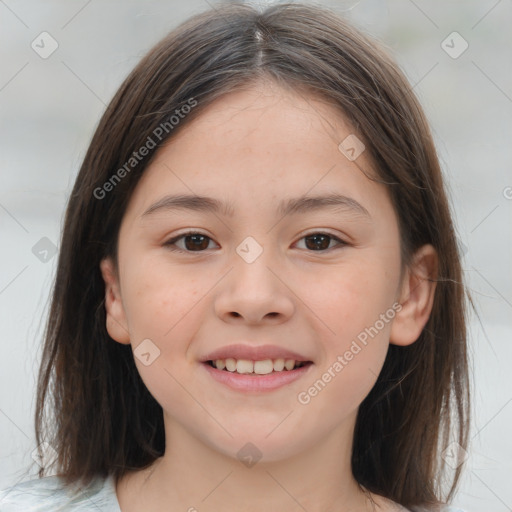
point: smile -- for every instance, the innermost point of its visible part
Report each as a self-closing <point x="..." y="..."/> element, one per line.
<point x="256" y="376"/>
<point x="263" y="367"/>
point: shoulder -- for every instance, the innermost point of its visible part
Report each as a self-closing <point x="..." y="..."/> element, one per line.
<point x="49" y="494"/>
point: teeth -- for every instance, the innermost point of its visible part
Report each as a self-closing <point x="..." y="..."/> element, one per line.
<point x="278" y="365"/>
<point x="263" y="367"/>
<point x="289" y="364"/>
<point x="244" y="366"/>
<point x="230" y="365"/>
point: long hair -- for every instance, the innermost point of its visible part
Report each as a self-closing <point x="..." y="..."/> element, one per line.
<point x="92" y="406"/>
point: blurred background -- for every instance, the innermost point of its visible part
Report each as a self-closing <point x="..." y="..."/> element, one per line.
<point x="61" y="62"/>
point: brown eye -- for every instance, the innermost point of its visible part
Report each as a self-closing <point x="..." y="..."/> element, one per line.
<point x="320" y="241"/>
<point x="192" y="242"/>
<point x="196" y="242"/>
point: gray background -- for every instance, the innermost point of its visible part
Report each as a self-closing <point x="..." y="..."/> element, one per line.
<point x="50" y="107"/>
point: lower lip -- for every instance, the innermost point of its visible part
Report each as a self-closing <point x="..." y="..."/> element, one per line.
<point x="260" y="383"/>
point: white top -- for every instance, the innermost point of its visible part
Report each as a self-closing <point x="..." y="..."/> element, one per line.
<point x="49" y="495"/>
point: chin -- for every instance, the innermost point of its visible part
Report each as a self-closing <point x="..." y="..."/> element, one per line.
<point x="256" y="446"/>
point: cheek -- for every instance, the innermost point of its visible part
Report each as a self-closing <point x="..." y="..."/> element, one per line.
<point x="355" y="308"/>
<point x="158" y="300"/>
<point x="162" y="308"/>
<point x="352" y="358"/>
<point x="349" y="300"/>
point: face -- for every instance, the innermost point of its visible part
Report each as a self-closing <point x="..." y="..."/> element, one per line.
<point x="318" y="281"/>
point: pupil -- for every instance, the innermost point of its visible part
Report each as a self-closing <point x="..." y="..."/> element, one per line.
<point x="200" y="242"/>
<point x="196" y="238"/>
<point x="322" y="242"/>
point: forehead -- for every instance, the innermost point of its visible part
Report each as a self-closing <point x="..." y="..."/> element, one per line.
<point x="259" y="145"/>
<point x="266" y="116"/>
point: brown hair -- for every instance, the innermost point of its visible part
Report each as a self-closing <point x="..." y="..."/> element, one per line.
<point x="101" y="418"/>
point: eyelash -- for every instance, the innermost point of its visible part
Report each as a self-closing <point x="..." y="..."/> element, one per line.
<point x="170" y="244"/>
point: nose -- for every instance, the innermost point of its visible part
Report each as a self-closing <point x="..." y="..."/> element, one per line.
<point x="255" y="293"/>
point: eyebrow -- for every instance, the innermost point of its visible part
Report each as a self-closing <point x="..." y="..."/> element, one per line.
<point x="297" y="205"/>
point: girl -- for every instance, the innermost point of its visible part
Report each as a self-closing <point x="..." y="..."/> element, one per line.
<point x="258" y="303"/>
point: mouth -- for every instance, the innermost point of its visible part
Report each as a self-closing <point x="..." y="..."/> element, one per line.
<point x="255" y="377"/>
<point x="256" y="368"/>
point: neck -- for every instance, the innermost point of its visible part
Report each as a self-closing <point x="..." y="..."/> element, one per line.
<point x="195" y="477"/>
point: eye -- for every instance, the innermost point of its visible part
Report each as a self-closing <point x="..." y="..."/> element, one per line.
<point x="192" y="242"/>
<point x="321" y="241"/>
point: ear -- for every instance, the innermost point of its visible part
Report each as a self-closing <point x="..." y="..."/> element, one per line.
<point x="416" y="297"/>
<point x="117" y="326"/>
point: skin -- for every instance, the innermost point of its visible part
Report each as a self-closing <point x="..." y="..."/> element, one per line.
<point x="252" y="149"/>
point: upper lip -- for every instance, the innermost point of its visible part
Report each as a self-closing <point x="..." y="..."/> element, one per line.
<point x="254" y="353"/>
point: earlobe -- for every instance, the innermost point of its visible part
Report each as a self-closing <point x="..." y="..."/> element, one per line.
<point x="416" y="297"/>
<point x="116" y="323"/>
